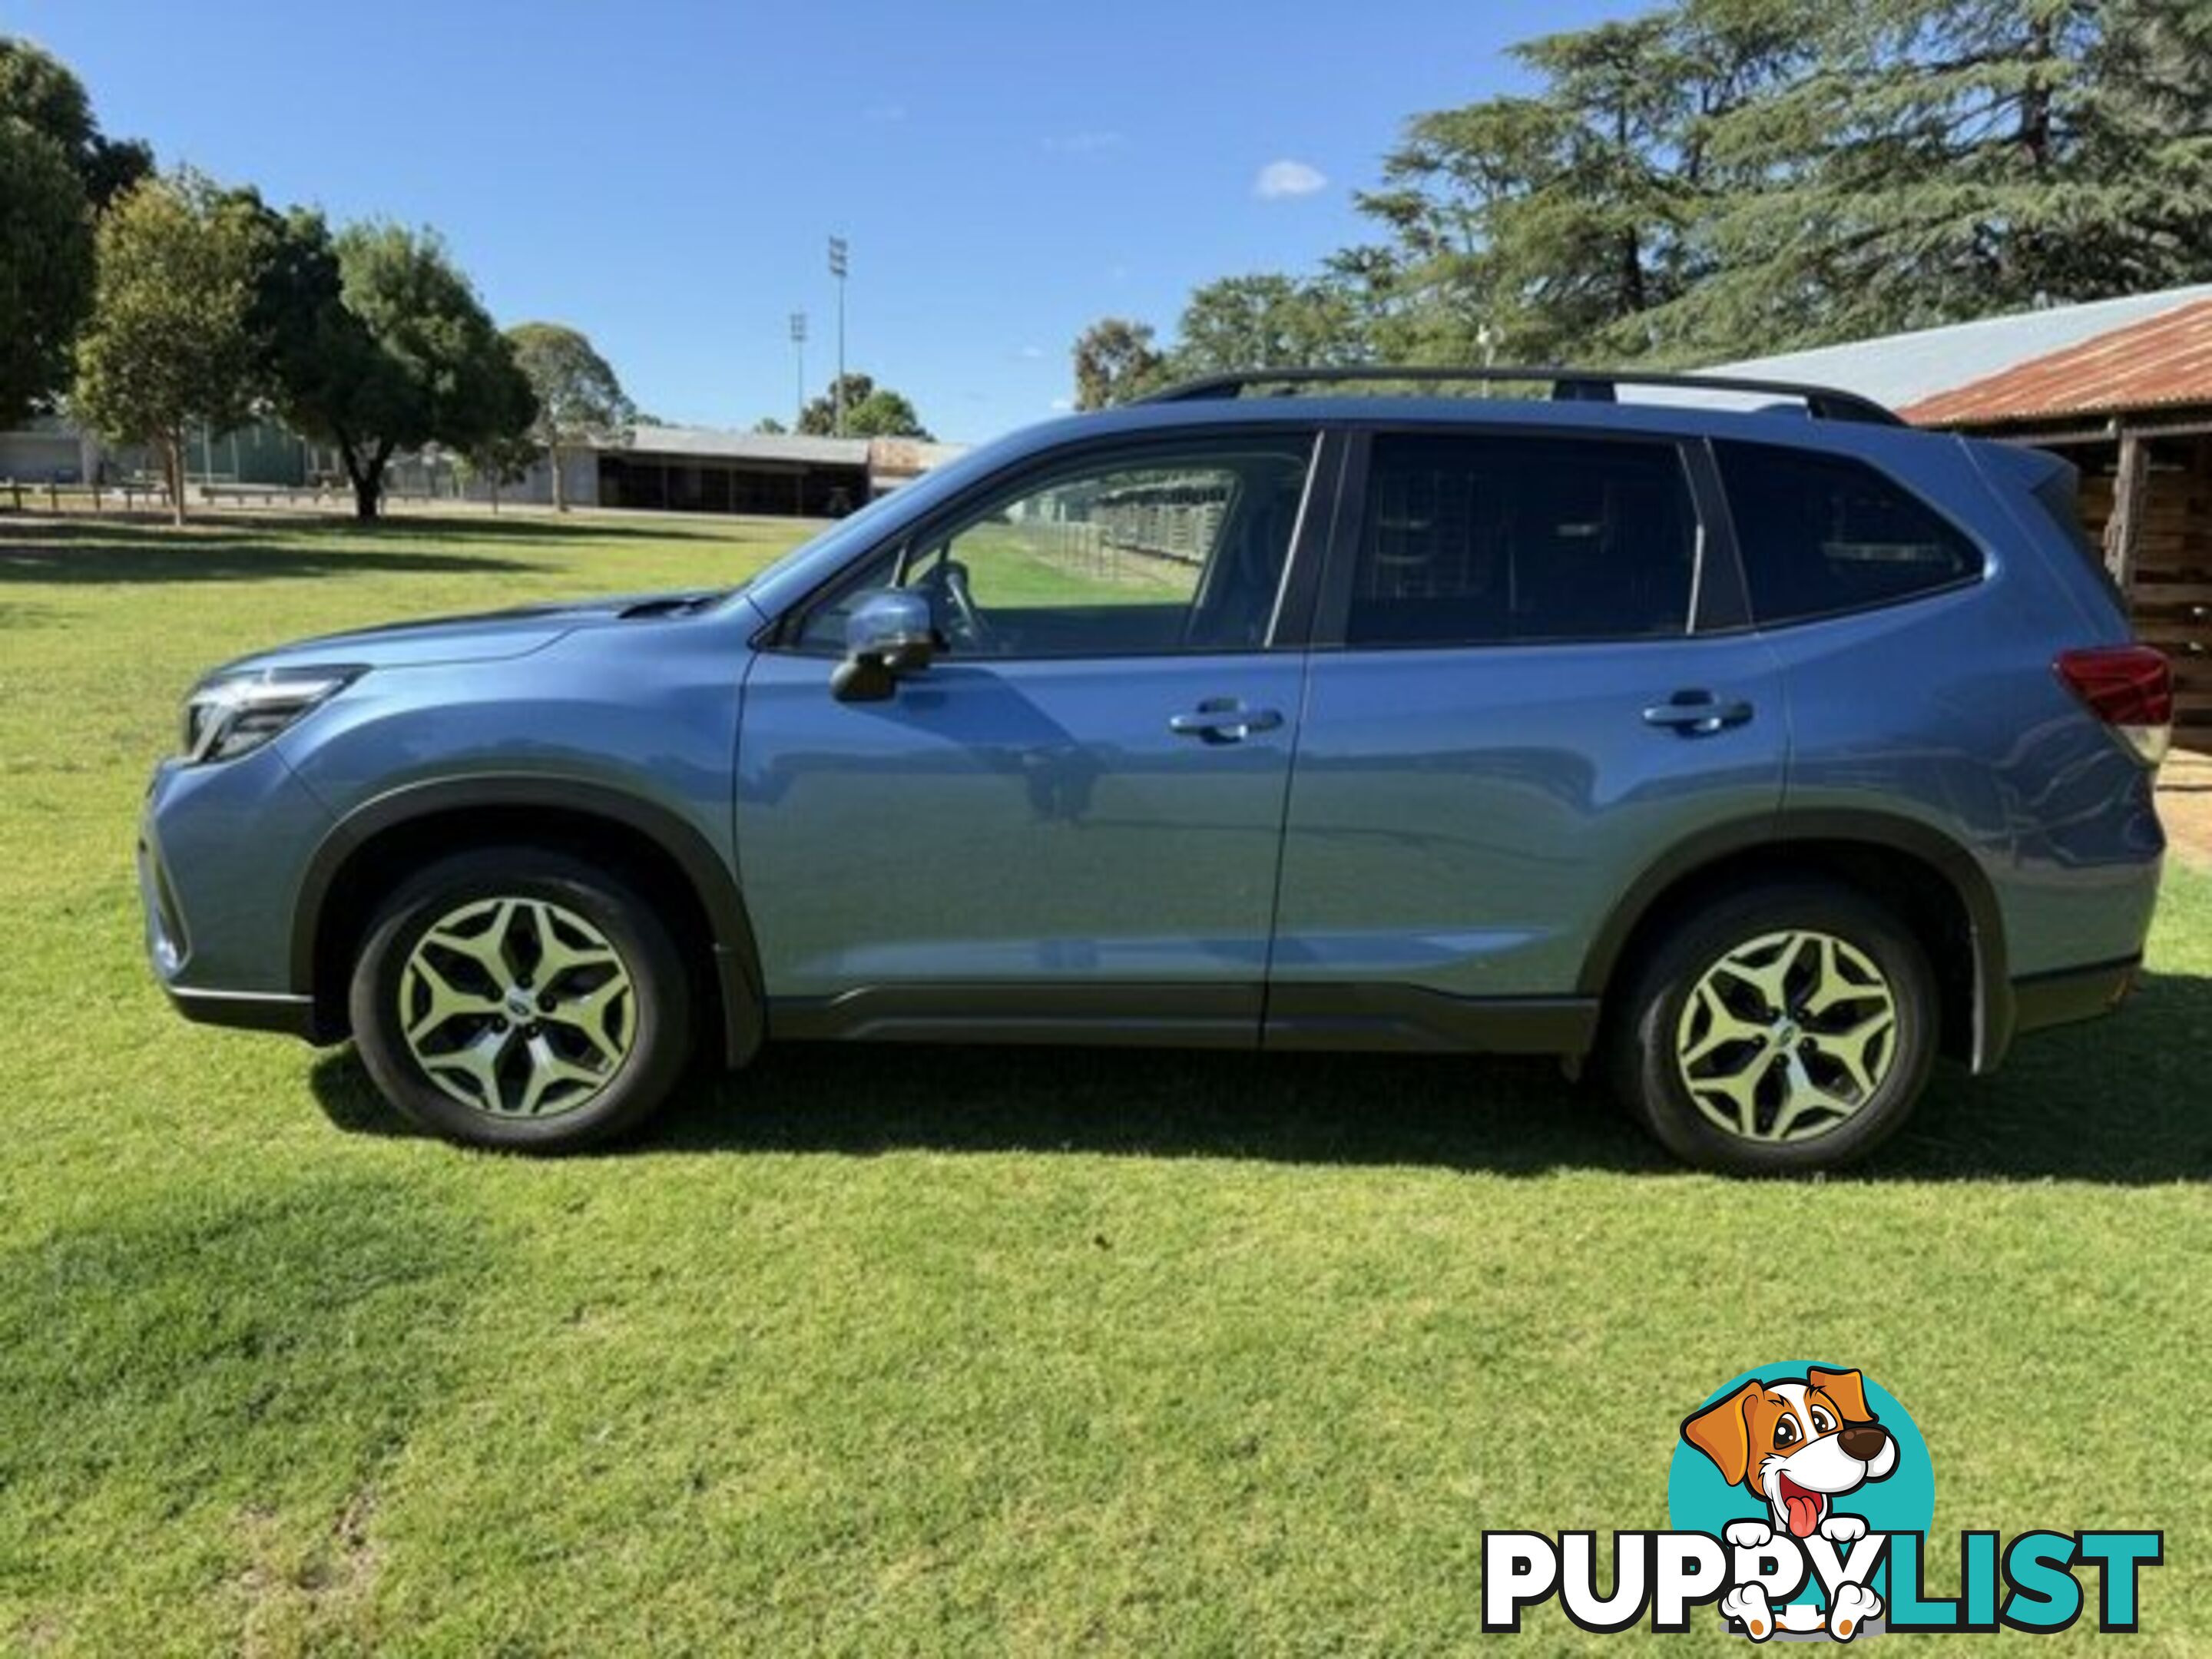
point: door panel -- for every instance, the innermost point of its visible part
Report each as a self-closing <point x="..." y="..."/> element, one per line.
<point x="1037" y="822"/>
<point x="1463" y="820"/>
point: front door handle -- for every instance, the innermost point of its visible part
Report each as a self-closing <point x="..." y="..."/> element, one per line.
<point x="1697" y="712"/>
<point x="1224" y="720"/>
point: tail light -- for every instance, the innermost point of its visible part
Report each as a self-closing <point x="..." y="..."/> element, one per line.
<point x="2130" y="689"/>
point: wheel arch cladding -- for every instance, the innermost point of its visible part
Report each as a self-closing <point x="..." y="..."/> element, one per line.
<point x="1930" y="881"/>
<point x="671" y="865"/>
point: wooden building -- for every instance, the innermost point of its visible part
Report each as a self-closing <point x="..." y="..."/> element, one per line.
<point x="2121" y="388"/>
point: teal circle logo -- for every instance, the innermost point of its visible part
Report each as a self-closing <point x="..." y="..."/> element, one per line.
<point x="1807" y="1447"/>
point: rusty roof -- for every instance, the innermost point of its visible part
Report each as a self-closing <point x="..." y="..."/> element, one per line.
<point x="2160" y="362"/>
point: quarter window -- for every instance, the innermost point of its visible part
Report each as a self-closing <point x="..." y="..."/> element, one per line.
<point x="1498" y="539"/>
<point x="1177" y="550"/>
<point x="1821" y="534"/>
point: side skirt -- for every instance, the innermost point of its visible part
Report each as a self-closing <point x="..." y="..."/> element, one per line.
<point x="1359" y="1016"/>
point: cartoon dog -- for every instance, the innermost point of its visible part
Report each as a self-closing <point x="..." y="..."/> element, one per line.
<point x="1799" y="1444"/>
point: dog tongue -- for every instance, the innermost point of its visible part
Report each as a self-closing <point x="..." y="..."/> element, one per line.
<point x="1804" y="1513"/>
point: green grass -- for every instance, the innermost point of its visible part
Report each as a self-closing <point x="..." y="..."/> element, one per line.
<point x="872" y="1351"/>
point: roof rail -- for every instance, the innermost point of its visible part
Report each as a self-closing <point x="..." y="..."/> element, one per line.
<point x="1822" y="402"/>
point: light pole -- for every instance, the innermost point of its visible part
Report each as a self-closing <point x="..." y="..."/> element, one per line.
<point x="838" y="270"/>
<point x="799" y="349"/>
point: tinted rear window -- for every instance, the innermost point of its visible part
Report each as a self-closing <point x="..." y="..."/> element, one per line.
<point x="1487" y="539"/>
<point x="1823" y="533"/>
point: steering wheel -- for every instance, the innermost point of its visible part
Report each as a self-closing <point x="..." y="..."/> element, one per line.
<point x="963" y="623"/>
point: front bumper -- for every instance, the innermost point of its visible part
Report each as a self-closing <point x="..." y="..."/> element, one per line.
<point x="249" y="1010"/>
<point x="218" y="852"/>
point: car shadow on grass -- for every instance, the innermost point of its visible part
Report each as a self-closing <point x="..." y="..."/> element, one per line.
<point x="2119" y="1101"/>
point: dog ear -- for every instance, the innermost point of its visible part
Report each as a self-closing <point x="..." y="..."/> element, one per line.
<point x="1722" y="1432"/>
<point x="1847" y="1388"/>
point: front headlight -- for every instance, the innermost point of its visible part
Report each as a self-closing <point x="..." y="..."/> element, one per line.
<point x="237" y="713"/>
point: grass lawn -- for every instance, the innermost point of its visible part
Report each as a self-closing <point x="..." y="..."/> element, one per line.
<point x="943" y="1352"/>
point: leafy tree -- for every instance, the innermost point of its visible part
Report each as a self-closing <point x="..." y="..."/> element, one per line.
<point x="580" y="401"/>
<point x="170" y="342"/>
<point x="45" y="266"/>
<point x="871" y="411"/>
<point x="1947" y="159"/>
<point x="376" y="343"/>
<point x="1720" y="178"/>
<point x="1116" y="361"/>
<point x="1548" y="227"/>
<point x="767" y="425"/>
<point x="38" y="89"/>
<point x="56" y="169"/>
<point x="502" y="458"/>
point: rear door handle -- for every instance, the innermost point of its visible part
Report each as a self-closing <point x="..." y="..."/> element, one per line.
<point x="1224" y="720"/>
<point x="1697" y="712"/>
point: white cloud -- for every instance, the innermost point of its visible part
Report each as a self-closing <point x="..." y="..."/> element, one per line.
<point x="1279" y="179"/>
<point x="1061" y="406"/>
<point x="1030" y="353"/>
<point x="883" y="113"/>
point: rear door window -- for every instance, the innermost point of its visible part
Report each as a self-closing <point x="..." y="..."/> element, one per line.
<point x="1489" y="539"/>
<point x="1823" y="534"/>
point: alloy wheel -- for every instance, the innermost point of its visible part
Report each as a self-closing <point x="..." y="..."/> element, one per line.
<point x="518" y="1007"/>
<point x="1787" y="1035"/>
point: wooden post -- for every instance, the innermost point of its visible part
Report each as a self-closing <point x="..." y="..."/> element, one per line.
<point x="2124" y="530"/>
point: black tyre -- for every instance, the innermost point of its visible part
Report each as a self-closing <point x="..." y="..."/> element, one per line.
<point x="1781" y="1029"/>
<point x="520" y="999"/>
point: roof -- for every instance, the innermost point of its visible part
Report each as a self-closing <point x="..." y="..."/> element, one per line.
<point x="2161" y="362"/>
<point x="1907" y="370"/>
<point x="707" y="442"/>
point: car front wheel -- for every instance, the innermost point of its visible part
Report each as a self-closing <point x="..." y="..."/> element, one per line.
<point x="1782" y="1029"/>
<point x="520" y="999"/>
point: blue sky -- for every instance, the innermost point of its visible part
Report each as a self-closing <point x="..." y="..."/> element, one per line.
<point x="663" y="175"/>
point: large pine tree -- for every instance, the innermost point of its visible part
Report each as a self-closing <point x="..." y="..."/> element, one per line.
<point x="1719" y="179"/>
<point x="1947" y="159"/>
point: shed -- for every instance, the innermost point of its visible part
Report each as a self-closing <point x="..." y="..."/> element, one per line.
<point x="2122" y="388"/>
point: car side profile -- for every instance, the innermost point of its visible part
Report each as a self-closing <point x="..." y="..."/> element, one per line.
<point x="1753" y="756"/>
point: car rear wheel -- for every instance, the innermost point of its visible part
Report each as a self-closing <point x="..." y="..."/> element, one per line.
<point x="520" y="999"/>
<point x="1782" y="1029"/>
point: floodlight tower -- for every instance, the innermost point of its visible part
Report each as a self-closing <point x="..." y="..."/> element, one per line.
<point x="837" y="262"/>
<point x="799" y="349"/>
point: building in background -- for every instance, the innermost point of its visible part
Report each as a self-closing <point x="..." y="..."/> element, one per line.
<point x="2123" y="389"/>
<point x="50" y="449"/>
<point x="679" y="469"/>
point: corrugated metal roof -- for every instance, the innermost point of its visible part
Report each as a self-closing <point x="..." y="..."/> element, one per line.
<point x="909" y="456"/>
<point x="1906" y="369"/>
<point x="707" y="442"/>
<point x="2161" y="362"/>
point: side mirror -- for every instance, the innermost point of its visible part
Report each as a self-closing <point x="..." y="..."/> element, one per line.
<point x="890" y="632"/>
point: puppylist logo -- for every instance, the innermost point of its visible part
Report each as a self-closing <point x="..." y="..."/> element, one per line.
<point x="1801" y="1499"/>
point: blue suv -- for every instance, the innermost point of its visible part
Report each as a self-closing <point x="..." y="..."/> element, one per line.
<point x="1751" y="755"/>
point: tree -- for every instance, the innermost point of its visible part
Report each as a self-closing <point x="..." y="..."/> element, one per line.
<point x="871" y="411"/>
<point x="170" y="341"/>
<point x="1549" y="226"/>
<point x="1717" y="178"/>
<point x="376" y="343"/>
<point x="502" y="458"/>
<point x="1115" y="361"/>
<point x="767" y="425"/>
<point x="580" y="401"/>
<point x="56" y="170"/>
<point x="38" y="89"/>
<point x="1947" y="159"/>
<point x="1268" y="320"/>
<point x="45" y="266"/>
